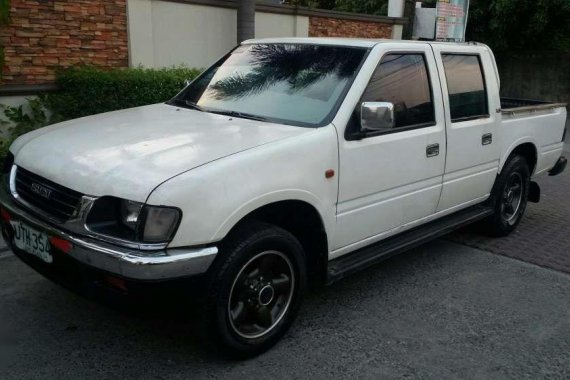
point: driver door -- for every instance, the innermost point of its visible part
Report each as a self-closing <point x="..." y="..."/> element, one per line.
<point x="391" y="178"/>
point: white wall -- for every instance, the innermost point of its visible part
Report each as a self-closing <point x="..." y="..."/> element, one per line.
<point x="278" y="25"/>
<point x="14" y="101"/>
<point x="397" y="31"/>
<point x="165" y="33"/>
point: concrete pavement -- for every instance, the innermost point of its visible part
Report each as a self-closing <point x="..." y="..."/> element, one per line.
<point x="543" y="236"/>
<point x="441" y="311"/>
<point x="4" y="250"/>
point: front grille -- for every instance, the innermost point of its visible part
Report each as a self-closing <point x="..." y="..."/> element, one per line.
<point x="60" y="203"/>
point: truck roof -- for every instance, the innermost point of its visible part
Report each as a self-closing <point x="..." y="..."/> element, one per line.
<point x="357" y="42"/>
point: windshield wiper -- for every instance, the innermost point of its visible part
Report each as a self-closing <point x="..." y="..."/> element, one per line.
<point x="188" y="104"/>
<point x="242" y="115"/>
<point x="185" y="104"/>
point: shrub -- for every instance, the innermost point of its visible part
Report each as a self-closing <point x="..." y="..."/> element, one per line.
<point x="374" y="7"/>
<point x="21" y="121"/>
<point x="87" y="91"/>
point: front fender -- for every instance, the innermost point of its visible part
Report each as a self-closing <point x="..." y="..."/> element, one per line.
<point x="274" y="197"/>
<point x="216" y="196"/>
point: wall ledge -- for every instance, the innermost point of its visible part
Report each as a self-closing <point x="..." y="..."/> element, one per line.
<point x="299" y="11"/>
<point x="26" y="89"/>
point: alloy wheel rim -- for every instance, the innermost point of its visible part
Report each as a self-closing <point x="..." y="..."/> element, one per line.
<point x="512" y="198"/>
<point x="261" y="294"/>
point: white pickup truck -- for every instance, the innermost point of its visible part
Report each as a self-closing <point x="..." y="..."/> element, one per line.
<point x="286" y="161"/>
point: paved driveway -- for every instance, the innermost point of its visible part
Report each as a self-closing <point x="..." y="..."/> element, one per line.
<point x="543" y="236"/>
<point x="441" y="311"/>
<point x="444" y="310"/>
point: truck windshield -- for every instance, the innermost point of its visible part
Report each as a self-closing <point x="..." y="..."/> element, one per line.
<point x="294" y="84"/>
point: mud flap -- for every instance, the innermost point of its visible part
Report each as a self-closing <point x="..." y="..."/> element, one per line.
<point x="534" y="192"/>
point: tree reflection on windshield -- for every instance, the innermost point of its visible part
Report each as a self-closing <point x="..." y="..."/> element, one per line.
<point x="298" y="65"/>
<point x="298" y="84"/>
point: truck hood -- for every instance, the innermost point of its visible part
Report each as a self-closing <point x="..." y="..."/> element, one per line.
<point x="129" y="153"/>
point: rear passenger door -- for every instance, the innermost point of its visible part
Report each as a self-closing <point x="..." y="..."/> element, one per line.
<point x="471" y="122"/>
<point x="391" y="178"/>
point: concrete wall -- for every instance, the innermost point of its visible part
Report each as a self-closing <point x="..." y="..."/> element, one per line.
<point x="535" y="75"/>
<point x="45" y="36"/>
<point x="163" y="33"/>
<point x="276" y="25"/>
<point x="195" y="33"/>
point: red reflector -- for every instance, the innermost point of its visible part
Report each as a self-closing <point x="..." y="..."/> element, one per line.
<point x="5" y="215"/>
<point x="116" y="283"/>
<point x="329" y="173"/>
<point x="61" y="244"/>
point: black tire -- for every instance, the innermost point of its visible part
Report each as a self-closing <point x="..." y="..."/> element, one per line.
<point x="508" y="204"/>
<point x="264" y="308"/>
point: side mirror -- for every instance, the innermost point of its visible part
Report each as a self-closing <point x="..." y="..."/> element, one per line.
<point x="376" y="116"/>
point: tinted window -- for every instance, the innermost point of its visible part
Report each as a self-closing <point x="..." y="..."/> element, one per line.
<point x="402" y="80"/>
<point x="466" y="87"/>
<point x="288" y="83"/>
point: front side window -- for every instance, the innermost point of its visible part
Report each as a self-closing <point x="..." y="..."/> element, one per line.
<point x="466" y="87"/>
<point x="297" y="84"/>
<point x="402" y="79"/>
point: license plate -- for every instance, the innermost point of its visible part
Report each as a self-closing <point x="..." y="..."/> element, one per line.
<point x="32" y="241"/>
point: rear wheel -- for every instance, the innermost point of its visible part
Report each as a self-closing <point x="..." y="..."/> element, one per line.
<point x="255" y="289"/>
<point x="509" y="198"/>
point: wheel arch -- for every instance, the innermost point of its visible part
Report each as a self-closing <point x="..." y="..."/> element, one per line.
<point x="525" y="147"/>
<point x="300" y="217"/>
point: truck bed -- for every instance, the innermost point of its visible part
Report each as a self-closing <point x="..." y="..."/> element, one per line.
<point x="538" y="122"/>
<point x="513" y="105"/>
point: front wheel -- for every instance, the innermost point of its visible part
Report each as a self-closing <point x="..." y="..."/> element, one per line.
<point x="255" y="289"/>
<point x="509" y="198"/>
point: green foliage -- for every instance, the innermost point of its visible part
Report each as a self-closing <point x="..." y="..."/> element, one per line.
<point x="86" y="90"/>
<point x="22" y="120"/>
<point x="4" y="12"/>
<point x="4" y="20"/>
<point x="502" y="24"/>
<point x="521" y="24"/>
<point x="373" y="7"/>
<point x="26" y="121"/>
<point x="320" y="4"/>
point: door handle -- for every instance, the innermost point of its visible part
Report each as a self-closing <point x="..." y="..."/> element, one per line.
<point x="487" y="139"/>
<point x="432" y="150"/>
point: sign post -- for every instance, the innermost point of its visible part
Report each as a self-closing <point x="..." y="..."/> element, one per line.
<point x="451" y="20"/>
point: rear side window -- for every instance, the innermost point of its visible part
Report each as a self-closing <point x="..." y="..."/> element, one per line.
<point x="466" y="86"/>
<point x="402" y="79"/>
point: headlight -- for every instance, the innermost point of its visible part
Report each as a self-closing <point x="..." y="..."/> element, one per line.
<point x="130" y="213"/>
<point x="133" y="221"/>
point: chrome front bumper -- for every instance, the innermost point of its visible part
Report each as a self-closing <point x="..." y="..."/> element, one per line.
<point x="165" y="264"/>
